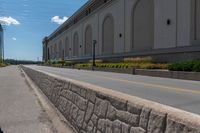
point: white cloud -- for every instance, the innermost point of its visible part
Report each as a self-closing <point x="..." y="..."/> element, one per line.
<point x="14" y="39"/>
<point x="9" y="21"/>
<point x="58" y="20"/>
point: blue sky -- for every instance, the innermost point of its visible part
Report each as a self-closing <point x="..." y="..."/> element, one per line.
<point x="26" y="22"/>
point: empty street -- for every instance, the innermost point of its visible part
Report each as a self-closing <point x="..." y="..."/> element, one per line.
<point x="181" y="94"/>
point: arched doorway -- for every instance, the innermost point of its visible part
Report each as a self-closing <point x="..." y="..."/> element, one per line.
<point x="75" y="45"/>
<point x="143" y="25"/>
<point x="60" y="50"/>
<point x="48" y="55"/>
<point x="55" y="51"/>
<point x="51" y="51"/>
<point x="108" y="35"/>
<point x="67" y="47"/>
<point x="88" y="41"/>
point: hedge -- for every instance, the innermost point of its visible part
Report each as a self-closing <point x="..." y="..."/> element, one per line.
<point x="192" y="65"/>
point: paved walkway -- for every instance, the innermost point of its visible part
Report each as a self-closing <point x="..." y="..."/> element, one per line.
<point x="20" y="109"/>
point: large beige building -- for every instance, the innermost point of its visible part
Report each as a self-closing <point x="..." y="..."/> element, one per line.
<point x="167" y="30"/>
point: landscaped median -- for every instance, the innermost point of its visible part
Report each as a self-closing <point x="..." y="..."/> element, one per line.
<point x="136" y="63"/>
<point x="93" y="109"/>
<point x="188" y="70"/>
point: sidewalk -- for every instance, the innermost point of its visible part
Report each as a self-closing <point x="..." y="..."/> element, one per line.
<point x="20" y="109"/>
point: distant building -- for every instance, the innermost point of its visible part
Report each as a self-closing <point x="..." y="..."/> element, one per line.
<point x="1" y="42"/>
<point x="166" y="30"/>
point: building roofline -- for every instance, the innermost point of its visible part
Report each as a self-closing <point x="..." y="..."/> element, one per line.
<point x="70" y="19"/>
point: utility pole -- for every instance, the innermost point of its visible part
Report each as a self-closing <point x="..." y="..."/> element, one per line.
<point x="94" y="54"/>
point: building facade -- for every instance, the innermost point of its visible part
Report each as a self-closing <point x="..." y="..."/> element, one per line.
<point x="166" y="30"/>
<point x="1" y="43"/>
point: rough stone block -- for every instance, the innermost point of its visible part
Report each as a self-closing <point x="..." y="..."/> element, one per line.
<point x="128" y="118"/>
<point x="82" y="131"/>
<point x="74" y="97"/>
<point x="67" y="94"/>
<point x="102" y="125"/>
<point x="108" y="126"/>
<point x="95" y="130"/>
<point x="80" y="118"/>
<point x="94" y="119"/>
<point x="144" y="118"/>
<point x="66" y="85"/>
<point x="157" y="122"/>
<point x="89" y="111"/>
<point x="74" y="111"/>
<point x="137" y="130"/>
<point x="83" y="92"/>
<point x="111" y="113"/>
<point x="101" y="108"/>
<point x="125" y="128"/>
<point x="116" y="102"/>
<point x="117" y="126"/>
<point x="90" y="127"/>
<point x="76" y="89"/>
<point x="134" y="108"/>
<point x="67" y="109"/>
<point x="98" y="131"/>
<point x="91" y="96"/>
<point x="81" y="102"/>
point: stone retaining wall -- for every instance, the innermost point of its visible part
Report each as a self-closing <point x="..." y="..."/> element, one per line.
<point x="91" y="109"/>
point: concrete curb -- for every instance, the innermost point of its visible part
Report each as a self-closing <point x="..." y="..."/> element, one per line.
<point x="169" y="74"/>
<point x="174" y="120"/>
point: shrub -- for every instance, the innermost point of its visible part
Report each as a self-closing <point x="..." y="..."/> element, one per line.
<point x="192" y="65"/>
<point x="196" y="67"/>
<point x="54" y="62"/>
<point x="61" y="62"/>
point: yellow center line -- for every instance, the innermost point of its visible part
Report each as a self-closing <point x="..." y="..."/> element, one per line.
<point x="148" y="84"/>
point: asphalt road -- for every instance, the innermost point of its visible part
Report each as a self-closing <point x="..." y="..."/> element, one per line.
<point x="181" y="94"/>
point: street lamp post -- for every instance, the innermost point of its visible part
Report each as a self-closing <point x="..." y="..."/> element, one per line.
<point x="94" y="54"/>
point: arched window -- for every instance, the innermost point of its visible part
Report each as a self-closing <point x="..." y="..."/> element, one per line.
<point x="108" y="35"/>
<point x="75" y="44"/>
<point x="143" y="25"/>
<point x="67" y="47"/>
<point x="88" y="41"/>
